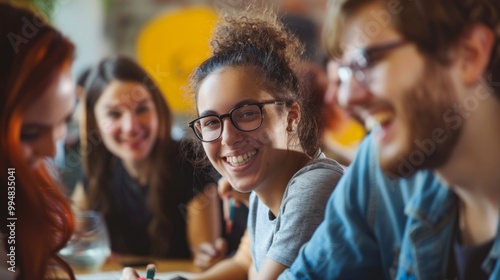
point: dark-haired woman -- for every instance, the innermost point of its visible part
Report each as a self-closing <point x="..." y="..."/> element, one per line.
<point x="259" y="130"/>
<point x="154" y="201"/>
<point x="262" y="136"/>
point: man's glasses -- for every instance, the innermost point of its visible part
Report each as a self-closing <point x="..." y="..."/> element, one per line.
<point x="245" y="118"/>
<point x="363" y="60"/>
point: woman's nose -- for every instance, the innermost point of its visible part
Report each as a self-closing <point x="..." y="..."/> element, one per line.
<point x="48" y="145"/>
<point x="130" y="123"/>
<point x="230" y="134"/>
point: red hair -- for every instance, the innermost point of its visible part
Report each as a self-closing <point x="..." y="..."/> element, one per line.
<point x="30" y="62"/>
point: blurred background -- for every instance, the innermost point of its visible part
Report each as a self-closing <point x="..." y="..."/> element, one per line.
<point x="169" y="38"/>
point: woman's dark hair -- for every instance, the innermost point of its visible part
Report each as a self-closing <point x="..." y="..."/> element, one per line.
<point x="99" y="162"/>
<point x="83" y="77"/>
<point x="259" y="40"/>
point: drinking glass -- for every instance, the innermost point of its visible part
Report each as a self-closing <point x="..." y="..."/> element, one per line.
<point x="89" y="246"/>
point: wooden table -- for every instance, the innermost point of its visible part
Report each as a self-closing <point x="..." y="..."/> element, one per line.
<point x="162" y="265"/>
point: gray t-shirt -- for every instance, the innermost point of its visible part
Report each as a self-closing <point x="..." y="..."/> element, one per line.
<point x="302" y="210"/>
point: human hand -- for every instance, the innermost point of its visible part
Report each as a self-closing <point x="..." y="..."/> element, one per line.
<point x="226" y="191"/>
<point x="208" y="254"/>
<point x="129" y="273"/>
<point x="231" y="198"/>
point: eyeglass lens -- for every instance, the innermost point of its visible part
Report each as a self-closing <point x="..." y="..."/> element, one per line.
<point x="364" y="59"/>
<point x="245" y="118"/>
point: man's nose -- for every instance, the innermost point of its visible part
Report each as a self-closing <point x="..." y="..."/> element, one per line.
<point x="351" y="93"/>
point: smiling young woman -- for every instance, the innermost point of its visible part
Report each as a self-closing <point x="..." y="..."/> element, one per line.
<point x="260" y="134"/>
<point x="136" y="174"/>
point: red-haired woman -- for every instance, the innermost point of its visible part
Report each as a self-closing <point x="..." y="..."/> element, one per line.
<point x="36" y="97"/>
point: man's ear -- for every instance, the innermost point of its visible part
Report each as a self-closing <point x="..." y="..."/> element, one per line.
<point x="475" y="52"/>
<point x="293" y="117"/>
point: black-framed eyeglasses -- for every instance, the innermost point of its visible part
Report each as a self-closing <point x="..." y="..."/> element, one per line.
<point x="247" y="117"/>
<point x="363" y="60"/>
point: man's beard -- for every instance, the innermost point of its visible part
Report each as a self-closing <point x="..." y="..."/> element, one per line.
<point x="423" y="112"/>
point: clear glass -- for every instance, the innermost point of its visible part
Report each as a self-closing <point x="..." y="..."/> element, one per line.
<point x="89" y="247"/>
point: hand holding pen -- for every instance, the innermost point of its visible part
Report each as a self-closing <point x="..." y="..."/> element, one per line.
<point x="130" y="273"/>
<point x="229" y="212"/>
<point x="230" y="199"/>
<point x="226" y="191"/>
<point x="208" y="254"/>
<point x="150" y="273"/>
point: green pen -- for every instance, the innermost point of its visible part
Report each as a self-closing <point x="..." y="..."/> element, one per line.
<point x="150" y="272"/>
<point x="232" y="213"/>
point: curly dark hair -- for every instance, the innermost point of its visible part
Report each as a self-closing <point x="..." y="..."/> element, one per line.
<point x="258" y="39"/>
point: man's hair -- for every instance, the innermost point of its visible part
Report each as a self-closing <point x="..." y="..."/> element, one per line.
<point x="434" y="26"/>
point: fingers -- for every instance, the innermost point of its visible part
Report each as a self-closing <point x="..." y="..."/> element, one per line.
<point x="203" y="261"/>
<point x="129" y="273"/>
<point x="229" y="215"/>
<point x="225" y="191"/>
<point x="208" y="249"/>
<point x="221" y="246"/>
<point x="206" y="263"/>
<point x="204" y="255"/>
<point x="225" y="207"/>
<point x="150" y="271"/>
<point x="237" y="203"/>
<point x="223" y="187"/>
<point x="240" y="198"/>
<point x="209" y="254"/>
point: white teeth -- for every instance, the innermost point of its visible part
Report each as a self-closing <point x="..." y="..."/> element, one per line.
<point x="375" y="120"/>
<point x="241" y="159"/>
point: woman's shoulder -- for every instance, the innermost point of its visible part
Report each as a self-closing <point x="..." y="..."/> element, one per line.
<point x="322" y="174"/>
<point x="322" y="165"/>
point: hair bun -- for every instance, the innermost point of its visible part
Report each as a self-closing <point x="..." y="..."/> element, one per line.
<point x="252" y="32"/>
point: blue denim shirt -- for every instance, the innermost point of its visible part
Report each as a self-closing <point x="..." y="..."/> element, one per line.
<point x="381" y="228"/>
